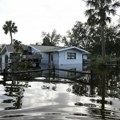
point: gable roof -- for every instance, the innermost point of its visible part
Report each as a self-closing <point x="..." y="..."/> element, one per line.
<point x="10" y="48"/>
<point x="56" y="48"/>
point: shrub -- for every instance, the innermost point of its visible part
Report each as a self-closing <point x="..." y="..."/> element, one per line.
<point x="99" y="62"/>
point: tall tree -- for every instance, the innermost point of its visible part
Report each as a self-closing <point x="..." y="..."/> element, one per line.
<point x="10" y="27"/>
<point x="51" y="39"/>
<point x="89" y="38"/>
<point x="78" y="36"/>
<point x="99" y="14"/>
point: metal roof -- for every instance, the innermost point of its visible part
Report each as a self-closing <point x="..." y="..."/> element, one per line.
<point x="10" y="48"/>
<point x="47" y="48"/>
<point x="56" y="48"/>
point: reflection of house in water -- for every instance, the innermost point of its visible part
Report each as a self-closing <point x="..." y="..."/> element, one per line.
<point x="61" y="57"/>
<point x="14" y="90"/>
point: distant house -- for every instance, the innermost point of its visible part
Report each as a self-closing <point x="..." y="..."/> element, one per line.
<point x="61" y="57"/>
<point x="8" y="56"/>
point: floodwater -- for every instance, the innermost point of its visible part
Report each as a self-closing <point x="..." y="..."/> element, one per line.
<point x="85" y="97"/>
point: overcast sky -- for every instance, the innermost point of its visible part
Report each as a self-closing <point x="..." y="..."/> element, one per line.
<point x="36" y="16"/>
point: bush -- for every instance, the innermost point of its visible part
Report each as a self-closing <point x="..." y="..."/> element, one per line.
<point x="99" y="63"/>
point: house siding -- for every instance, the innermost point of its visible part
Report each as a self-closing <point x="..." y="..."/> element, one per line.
<point x="60" y="59"/>
<point x="56" y="58"/>
<point x="65" y="63"/>
<point x="3" y="59"/>
<point x="45" y="57"/>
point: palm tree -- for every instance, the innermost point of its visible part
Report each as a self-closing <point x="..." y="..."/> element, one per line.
<point x="10" y="27"/>
<point x="99" y="14"/>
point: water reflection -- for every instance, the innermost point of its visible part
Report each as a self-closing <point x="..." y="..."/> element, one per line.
<point x="96" y="97"/>
<point x="15" y="92"/>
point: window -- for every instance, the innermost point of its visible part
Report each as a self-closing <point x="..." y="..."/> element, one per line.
<point x="71" y="55"/>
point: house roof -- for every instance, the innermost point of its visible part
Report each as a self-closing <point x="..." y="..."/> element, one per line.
<point x="46" y="48"/>
<point x="56" y="48"/>
<point x="10" y="48"/>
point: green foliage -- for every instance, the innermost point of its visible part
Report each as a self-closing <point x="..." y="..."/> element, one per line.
<point x="51" y="39"/>
<point x="99" y="11"/>
<point x="20" y="65"/>
<point x="17" y="46"/>
<point x="46" y="42"/>
<point x="118" y="60"/>
<point x="77" y="36"/>
<point x="99" y="64"/>
<point x="90" y="39"/>
<point x="99" y="14"/>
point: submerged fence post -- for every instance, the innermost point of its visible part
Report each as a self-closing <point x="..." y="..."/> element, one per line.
<point x="54" y="70"/>
<point x="91" y="83"/>
<point x="4" y="77"/>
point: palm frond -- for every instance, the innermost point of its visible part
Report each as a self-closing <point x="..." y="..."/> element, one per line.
<point x="112" y="11"/>
<point x="116" y="5"/>
<point x="5" y="29"/>
<point x="108" y="19"/>
<point x="92" y="20"/>
<point x="89" y="12"/>
<point x="108" y="1"/>
<point x="13" y="25"/>
<point x="92" y="3"/>
<point x="106" y="8"/>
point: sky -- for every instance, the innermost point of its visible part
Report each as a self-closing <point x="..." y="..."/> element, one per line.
<point x="32" y="17"/>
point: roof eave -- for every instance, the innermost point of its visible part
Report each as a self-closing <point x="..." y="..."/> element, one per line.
<point x="84" y="51"/>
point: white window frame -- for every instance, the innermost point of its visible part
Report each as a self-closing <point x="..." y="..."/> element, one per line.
<point x="71" y="55"/>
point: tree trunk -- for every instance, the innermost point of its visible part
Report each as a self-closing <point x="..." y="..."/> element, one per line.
<point x="102" y="28"/>
<point x="11" y="37"/>
<point x="103" y="95"/>
<point x="103" y="41"/>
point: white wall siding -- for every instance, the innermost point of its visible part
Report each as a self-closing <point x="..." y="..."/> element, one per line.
<point x="45" y="57"/>
<point x="56" y="58"/>
<point x="65" y="63"/>
<point x="60" y="59"/>
<point x="3" y="62"/>
<point x="63" y="57"/>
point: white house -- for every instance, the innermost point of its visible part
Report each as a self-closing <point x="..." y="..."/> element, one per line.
<point x="61" y="57"/>
<point x="5" y="54"/>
